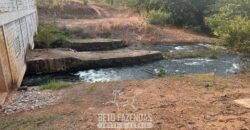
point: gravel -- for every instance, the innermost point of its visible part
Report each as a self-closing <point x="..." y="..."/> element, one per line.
<point x="29" y="100"/>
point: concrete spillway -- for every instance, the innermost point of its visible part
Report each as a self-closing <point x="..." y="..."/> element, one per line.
<point x="65" y="60"/>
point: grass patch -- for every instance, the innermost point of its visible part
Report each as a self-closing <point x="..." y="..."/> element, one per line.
<point x="30" y="123"/>
<point x="48" y="33"/>
<point x="211" y="53"/>
<point x="90" y="40"/>
<point x="90" y="87"/>
<point x="194" y="54"/>
<point x="158" y="17"/>
<point x="55" y="85"/>
<point x="161" y="72"/>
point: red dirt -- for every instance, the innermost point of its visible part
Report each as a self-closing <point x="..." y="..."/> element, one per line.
<point x="187" y="102"/>
<point x="101" y="21"/>
<point x="175" y="103"/>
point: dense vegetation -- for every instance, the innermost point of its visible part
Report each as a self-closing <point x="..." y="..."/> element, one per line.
<point x="227" y="19"/>
<point x="49" y="33"/>
<point x="231" y="22"/>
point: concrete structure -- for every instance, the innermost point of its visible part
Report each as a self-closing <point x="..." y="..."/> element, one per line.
<point x="18" y="24"/>
<point x="65" y="60"/>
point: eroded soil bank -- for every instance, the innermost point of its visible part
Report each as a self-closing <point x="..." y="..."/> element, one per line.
<point x="179" y="102"/>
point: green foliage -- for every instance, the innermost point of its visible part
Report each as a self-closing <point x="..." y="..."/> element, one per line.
<point x="184" y="13"/>
<point x="181" y="55"/>
<point x="85" y="2"/>
<point x="232" y="24"/>
<point x="111" y="2"/>
<point x="215" y="51"/>
<point x="158" y="17"/>
<point x="51" y="3"/>
<point x="161" y="72"/>
<point x="55" y="85"/>
<point x="49" y="33"/>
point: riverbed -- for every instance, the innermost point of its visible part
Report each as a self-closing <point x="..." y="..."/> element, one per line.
<point x="225" y="64"/>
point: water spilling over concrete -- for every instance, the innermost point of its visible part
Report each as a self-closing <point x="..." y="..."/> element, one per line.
<point x="224" y="65"/>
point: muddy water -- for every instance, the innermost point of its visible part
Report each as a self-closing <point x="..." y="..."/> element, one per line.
<point x="225" y="64"/>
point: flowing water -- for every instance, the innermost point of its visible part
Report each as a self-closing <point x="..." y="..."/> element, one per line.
<point x="225" y="64"/>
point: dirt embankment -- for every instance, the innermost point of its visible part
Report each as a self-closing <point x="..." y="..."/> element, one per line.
<point x="184" y="103"/>
<point x="99" y="21"/>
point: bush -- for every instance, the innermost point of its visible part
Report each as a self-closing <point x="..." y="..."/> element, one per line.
<point x="158" y="17"/>
<point x="235" y="31"/>
<point x="55" y="85"/>
<point x="189" y="13"/>
<point x="160" y="72"/>
<point x="50" y="3"/>
<point x="85" y="2"/>
<point x="232" y="24"/>
<point x="49" y="33"/>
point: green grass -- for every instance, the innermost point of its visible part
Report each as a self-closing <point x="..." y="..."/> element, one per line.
<point x="55" y="85"/>
<point x="158" y="17"/>
<point x="179" y="55"/>
<point x="90" y="87"/>
<point x="211" y="53"/>
<point x="29" y="123"/>
<point x="91" y="40"/>
<point x="161" y="72"/>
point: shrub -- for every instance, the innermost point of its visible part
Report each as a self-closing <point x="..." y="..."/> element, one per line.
<point x="85" y="2"/>
<point x="231" y="23"/>
<point x="158" y="17"/>
<point x="49" y="33"/>
<point x="234" y="31"/>
<point x="160" y="72"/>
<point x="55" y="85"/>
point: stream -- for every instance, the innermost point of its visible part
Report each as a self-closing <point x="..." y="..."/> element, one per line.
<point x="226" y="64"/>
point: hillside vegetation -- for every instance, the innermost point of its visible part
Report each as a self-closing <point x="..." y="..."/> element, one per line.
<point x="228" y="20"/>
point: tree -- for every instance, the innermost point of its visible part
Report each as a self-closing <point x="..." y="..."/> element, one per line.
<point x="184" y="13"/>
<point x="231" y="23"/>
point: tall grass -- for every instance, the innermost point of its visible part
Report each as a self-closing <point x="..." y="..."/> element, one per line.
<point x="49" y="33"/>
<point x="55" y="85"/>
<point x="158" y="17"/>
<point x="53" y="3"/>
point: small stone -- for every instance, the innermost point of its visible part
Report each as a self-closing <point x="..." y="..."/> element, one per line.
<point x="158" y="122"/>
<point x="191" y="122"/>
<point x="244" y="128"/>
<point x="210" y="118"/>
<point x="28" y="100"/>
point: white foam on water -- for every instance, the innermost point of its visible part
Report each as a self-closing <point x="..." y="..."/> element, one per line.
<point x="92" y="76"/>
<point x="205" y="45"/>
<point x="178" y="60"/>
<point x="198" y="61"/>
<point x="156" y="71"/>
<point x="193" y="63"/>
<point x="179" y="48"/>
<point x="235" y="67"/>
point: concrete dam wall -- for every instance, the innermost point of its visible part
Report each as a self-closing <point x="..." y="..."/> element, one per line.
<point x="18" y="24"/>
